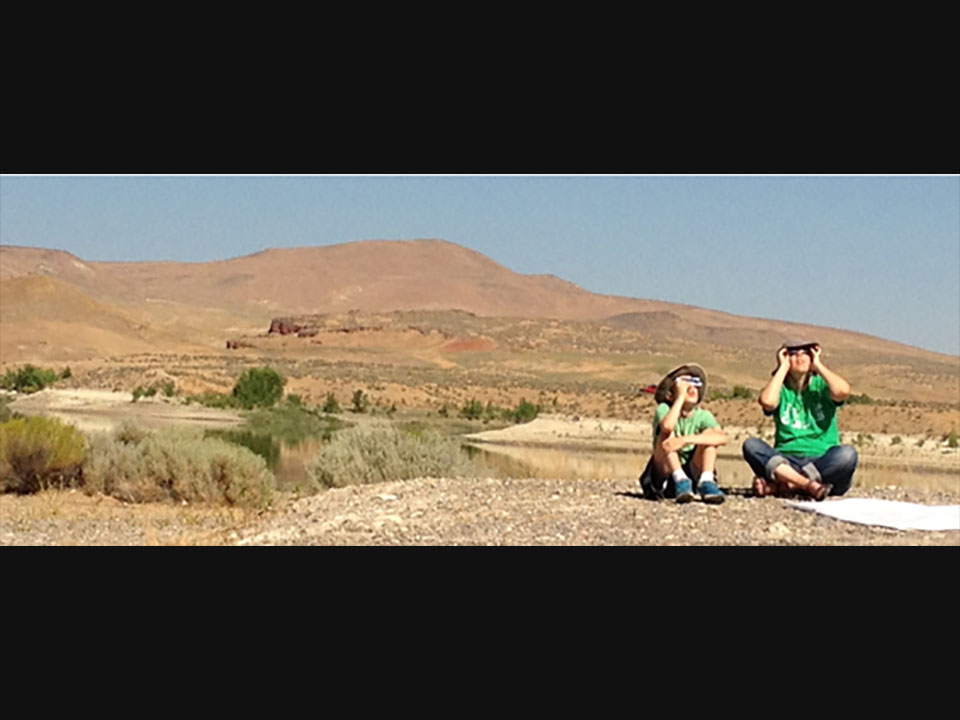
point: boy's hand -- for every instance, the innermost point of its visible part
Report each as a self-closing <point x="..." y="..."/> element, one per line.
<point x="681" y="387"/>
<point x="674" y="443"/>
<point x="783" y="357"/>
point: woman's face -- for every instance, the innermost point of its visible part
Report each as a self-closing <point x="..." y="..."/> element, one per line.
<point x="800" y="359"/>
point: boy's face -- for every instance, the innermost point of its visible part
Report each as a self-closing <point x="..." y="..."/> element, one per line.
<point x="690" y="386"/>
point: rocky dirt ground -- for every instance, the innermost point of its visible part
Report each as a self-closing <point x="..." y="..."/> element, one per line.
<point x="477" y="512"/>
<point x="456" y="512"/>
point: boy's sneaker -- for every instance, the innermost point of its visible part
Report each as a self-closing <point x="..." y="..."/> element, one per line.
<point x="710" y="493"/>
<point x="684" y="490"/>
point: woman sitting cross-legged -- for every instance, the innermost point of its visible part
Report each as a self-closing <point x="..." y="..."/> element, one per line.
<point x="807" y="457"/>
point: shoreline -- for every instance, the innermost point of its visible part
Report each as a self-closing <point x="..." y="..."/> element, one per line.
<point x="609" y="435"/>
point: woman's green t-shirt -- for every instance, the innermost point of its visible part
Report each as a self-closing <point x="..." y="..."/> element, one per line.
<point x="806" y="422"/>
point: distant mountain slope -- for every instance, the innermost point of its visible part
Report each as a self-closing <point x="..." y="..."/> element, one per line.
<point x="367" y="275"/>
<point x="211" y="299"/>
<point x="42" y="315"/>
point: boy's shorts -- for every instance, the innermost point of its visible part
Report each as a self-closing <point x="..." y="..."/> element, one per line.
<point x="657" y="487"/>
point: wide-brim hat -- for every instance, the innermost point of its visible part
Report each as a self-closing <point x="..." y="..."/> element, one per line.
<point x="689" y="369"/>
<point x="793" y="344"/>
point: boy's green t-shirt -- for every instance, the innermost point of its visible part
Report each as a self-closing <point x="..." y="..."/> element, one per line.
<point x="696" y="422"/>
<point x="806" y="422"/>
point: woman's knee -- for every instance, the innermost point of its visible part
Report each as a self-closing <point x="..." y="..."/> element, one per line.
<point x="846" y="456"/>
<point x="842" y="465"/>
<point x="754" y="447"/>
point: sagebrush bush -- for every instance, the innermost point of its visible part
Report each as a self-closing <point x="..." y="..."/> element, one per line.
<point x="176" y="464"/>
<point x="380" y="453"/>
<point x="36" y="452"/>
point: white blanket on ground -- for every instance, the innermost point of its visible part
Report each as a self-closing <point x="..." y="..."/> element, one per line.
<point x="888" y="513"/>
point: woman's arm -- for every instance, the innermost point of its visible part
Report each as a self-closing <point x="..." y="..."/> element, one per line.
<point x="770" y="395"/>
<point x="839" y="388"/>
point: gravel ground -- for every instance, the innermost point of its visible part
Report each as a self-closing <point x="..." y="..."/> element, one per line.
<point x="450" y="512"/>
<point x="563" y="512"/>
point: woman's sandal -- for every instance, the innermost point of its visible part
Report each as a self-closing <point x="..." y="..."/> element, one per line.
<point x="818" y="490"/>
<point x="762" y="488"/>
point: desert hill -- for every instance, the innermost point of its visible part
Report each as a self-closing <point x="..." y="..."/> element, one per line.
<point x="378" y="275"/>
<point x="42" y="315"/>
<point x="367" y="275"/>
<point x="58" y="305"/>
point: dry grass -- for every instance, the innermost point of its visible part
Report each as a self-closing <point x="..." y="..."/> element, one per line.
<point x="73" y="518"/>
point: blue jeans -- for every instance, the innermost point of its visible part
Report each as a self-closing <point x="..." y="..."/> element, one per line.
<point x="835" y="467"/>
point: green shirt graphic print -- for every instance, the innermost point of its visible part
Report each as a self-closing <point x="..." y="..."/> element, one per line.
<point x="695" y="423"/>
<point x="806" y="422"/>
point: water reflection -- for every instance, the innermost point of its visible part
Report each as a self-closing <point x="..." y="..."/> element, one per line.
<point x="515" y="461"/>
<point x="732" y="470"/>
<point x="286" y="458"/>
<point x="263" y="445"/>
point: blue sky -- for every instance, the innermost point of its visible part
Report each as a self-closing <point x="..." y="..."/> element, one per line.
<point x="879" y="255"/>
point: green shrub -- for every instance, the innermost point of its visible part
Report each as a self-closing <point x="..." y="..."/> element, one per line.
<point x="952" y="441"/>
<point x="472" y="410"/>
<point x="380" y="453"/>
<point x="330" y="405"/>
<point x="139" y="391"/>
<point x="221" y="401"/>
<point x="169" y="388"/>
<point x="742" y="392"/>
<point x="5" y="412"/>
<point x="291" y="423"/>
<point x="176" y="465"/>
<point x="28" y="379"/>
<point x="37" y="452"/>
<point x="360" y="401"/>
<point x="860" y="400"/>
<point x="525" y="411"/>
<point x="259" y="387"/>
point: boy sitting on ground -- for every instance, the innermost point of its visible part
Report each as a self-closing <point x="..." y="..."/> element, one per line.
<point x="685" y="440"/>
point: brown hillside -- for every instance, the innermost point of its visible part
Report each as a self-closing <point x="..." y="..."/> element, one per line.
<point x="208" y="302"/>
<point x="41" y="312"/>
<point x="44" y="318"/>
<point x="367" y="275"/>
